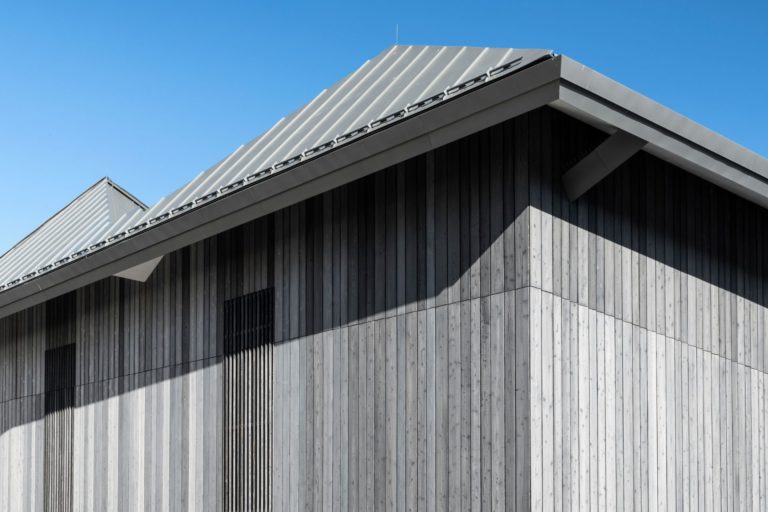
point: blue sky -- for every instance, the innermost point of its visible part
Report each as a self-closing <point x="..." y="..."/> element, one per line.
<point x="151" y="93"/>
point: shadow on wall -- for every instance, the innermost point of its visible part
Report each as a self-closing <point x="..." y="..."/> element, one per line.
<point x="668" y="216"/>
<point x="443" y="227"/>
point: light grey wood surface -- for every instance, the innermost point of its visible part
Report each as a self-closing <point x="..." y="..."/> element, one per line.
<point x="669" y="307"/>
<point x="450" y="334"/>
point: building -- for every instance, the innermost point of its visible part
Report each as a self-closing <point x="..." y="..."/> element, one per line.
<point x="460" y="278"/>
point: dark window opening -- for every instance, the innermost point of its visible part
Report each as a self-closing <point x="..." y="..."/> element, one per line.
<point x="249" y="321"/>
<point x="59" y="378"/>
<point x="249" y="327"/>
<point x="59" y="405"/>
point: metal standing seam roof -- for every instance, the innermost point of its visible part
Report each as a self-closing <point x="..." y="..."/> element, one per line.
<point x="399" y="82"/>
<point x="408" y="100"/>
<point x="82" y="223"/>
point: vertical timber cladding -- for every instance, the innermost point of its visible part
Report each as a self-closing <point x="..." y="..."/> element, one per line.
<point x="401" y="357"/>
<point x="59" y="403"/>
<point x="248" y="338"/>
<point x="648" y="321"/>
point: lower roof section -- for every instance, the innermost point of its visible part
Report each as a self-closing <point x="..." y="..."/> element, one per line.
<point x="558" y="82"/>
<point x="83" y="222"/>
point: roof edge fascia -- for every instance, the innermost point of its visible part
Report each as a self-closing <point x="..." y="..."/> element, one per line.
<point x="560" y="82"/>
<point x="608" y="105"/>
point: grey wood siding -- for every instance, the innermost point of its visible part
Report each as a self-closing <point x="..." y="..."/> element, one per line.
<point x="402" y="358"/>
<point x="450" y="333"/>
<point x="648" y="307"/>
<point x="148" y="415"/>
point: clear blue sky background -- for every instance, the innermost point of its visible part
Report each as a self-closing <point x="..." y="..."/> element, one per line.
<point x="151" y="93"/>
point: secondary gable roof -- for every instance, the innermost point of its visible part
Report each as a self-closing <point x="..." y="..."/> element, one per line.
<point x="83" y="222"/>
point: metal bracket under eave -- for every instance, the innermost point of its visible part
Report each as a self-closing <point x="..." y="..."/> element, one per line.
<point x="602" y="161"/>
<point x="140" y="272"/>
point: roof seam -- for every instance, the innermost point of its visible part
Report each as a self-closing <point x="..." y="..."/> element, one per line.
<point x="493" y="71"/>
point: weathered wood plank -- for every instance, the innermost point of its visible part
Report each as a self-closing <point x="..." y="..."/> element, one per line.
<point x="606" y="354"/>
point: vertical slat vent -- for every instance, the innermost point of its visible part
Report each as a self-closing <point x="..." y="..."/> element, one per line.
<point x="59" y="405"/>
<point x="248" y="337"/>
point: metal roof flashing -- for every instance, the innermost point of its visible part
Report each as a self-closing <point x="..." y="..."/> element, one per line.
<point x="417" y="98"/>
<point x="610" y="106"/>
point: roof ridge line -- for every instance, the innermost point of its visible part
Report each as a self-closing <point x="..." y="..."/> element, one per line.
<point x="125" y="193"/>
<point x="209" y="187"/>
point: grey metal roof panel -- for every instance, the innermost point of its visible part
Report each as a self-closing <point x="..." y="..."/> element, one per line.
<point x="400" y="77"/>
<point x="399" y="82"/>
<point x="341" y="135"/>
<point x="83" y="222"/>
<point x="234" y="193"/>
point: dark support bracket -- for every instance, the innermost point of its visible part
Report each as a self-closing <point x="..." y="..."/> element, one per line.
<point x="593" y="168"/>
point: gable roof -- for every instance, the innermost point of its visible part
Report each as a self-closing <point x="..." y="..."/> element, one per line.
<point x="83" y="222"/>
<point x="399" y="82"/>
<point x="406" y="101"/>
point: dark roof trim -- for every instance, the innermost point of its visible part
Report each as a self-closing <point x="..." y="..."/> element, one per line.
<point x="399" y="83"/>
<point x="559" y="82"/>
<point x="486" y="106"/>
<point x="608" y="105"/>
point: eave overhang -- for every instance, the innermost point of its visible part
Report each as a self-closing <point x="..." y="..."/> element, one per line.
<point x="610" y="106"/>
<point x="559" y="82"/>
